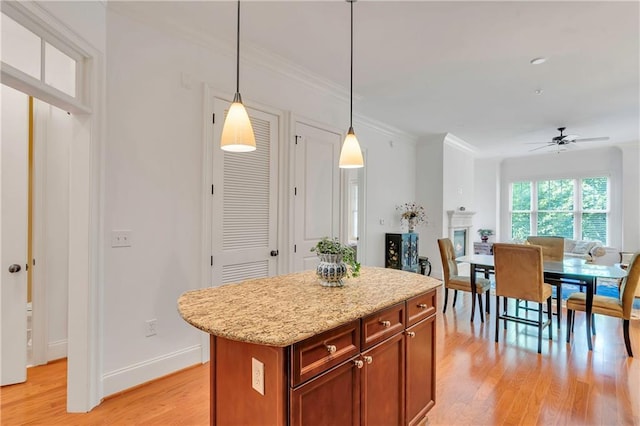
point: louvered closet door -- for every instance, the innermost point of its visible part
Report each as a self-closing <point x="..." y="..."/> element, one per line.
<point x="317" y="199"/>
<point x="245" y="202"/>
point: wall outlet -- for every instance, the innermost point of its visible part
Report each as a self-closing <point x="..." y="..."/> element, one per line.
<point x="121" y="238"/>
<point x="150" y="327"/>
<point x="257" y="376"/>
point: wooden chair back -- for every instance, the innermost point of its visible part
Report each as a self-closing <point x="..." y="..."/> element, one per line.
<point x="629" y="285"/>
<point x="552" y="247"/>
<point x="448" y="256"/>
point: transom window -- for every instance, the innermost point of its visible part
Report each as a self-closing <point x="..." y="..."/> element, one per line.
<point x="571" y="208"/>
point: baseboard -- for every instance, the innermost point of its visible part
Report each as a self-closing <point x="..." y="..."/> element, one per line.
<point x="145" y="371"/>
<point x="56" y="350"/>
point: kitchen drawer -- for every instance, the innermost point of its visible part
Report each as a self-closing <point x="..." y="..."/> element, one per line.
<point x="319" y="353"/>
<point x="382" y="325"/>
<point x="421" y="307"/>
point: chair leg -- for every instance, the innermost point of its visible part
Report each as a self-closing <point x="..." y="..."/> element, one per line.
<point x="504" y="303"/>
<point x="569" y="324"/>
<point x="455" y="297"/>
<point x="480" y="306"/>
<point x="559" y="306"/>
<point x="549" y="317"/>
<point x="473" y="307"/>
<point x="446" y="297"/>
<point x="540" y="327"/>
<point x="593" y="324"/>
<point x="517" y="307"/>
<point x="497" y="315"/>
<point x="488" y="309"/>
<point x="627" y="341"/>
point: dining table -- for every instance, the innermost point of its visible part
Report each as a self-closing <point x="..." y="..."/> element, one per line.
<point x="571" y="270"/>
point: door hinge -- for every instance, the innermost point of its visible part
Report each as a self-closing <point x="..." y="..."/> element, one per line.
<point x="212" y="190"/>
<point x="213" y="118"/>
<point x="295" y="248"/>
<point x="211" y="260"/>
<point x="295" y="190"/>
<point x="34" y="261"/>
<point x="297" y="136"/>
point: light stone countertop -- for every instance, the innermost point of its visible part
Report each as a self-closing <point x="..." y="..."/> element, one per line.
<point x="285" y="309"/>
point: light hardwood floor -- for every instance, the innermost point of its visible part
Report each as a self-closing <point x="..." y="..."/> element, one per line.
<point x="478" y="382"/>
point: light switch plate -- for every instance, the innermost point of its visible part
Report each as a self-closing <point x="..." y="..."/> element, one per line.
<point x="257" y="376"/>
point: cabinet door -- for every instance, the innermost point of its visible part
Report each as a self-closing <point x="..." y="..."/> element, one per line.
<point x="330" y="399"/>
<point x="421" y="380"/>
<point x="383" y="386"/>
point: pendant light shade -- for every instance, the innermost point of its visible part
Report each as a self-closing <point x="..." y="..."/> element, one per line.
<point x="237" y="132"/>
<point x="351" y="154"/>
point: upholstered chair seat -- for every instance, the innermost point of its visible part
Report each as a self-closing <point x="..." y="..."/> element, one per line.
<point x="454" y="281"/>
<point x="617" y="307"/>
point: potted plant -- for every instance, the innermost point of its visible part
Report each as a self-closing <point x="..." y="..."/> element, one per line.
<point x="484" y="234"/>
<point x="334" y="258"/>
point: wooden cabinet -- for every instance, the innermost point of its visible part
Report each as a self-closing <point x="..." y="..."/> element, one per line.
<point x="377" y="370"/>
<point x="401" y="251"/>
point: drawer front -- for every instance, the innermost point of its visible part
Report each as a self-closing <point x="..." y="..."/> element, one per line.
<point x="421" y="307"/>
<point x="382" y="325"/>
<point x="319" y="353"/>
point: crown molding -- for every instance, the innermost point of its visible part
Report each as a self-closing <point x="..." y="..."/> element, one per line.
<point x="452" y="140"/>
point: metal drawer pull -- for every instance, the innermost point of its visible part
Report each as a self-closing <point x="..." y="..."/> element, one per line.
<point x="411" y="333"/>
<point x="331" y="348"/>
<point x="358" y="363"/>
<point x="386" y="323"/>
<point x="422" y="305"/>
<point x="368" y="359"/>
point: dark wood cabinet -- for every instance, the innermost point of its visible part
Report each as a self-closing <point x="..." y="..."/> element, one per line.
<point x="421" y="381"/>
<point x="383" y="383"/>
<point x="330" y="399"/>
<point x="401" y="251"/>
<point x="376" y="370"/>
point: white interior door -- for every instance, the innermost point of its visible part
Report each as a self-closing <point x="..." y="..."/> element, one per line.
<point x="317" y="191"/>
<point x="13" y="235"/>
<point x="245" y="202"/>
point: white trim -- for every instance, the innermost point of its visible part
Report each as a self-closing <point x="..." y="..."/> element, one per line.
<point x="86" y="203"/>
<point x="57" y="350"/>
<point x="453" y="140"/>
<point x="151" y="369"/>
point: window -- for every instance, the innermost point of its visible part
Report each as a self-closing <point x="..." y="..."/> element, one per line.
<point x="570" y="208"/>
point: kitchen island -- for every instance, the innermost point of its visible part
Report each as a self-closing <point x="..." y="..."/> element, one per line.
<point x="286" y="350"/>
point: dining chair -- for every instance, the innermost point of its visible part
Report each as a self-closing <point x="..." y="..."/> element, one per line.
<point x="459" y="282"/>
<point x="519" y="275"/>
<point x="552" y="250"/>
<point x="617" y="307"/>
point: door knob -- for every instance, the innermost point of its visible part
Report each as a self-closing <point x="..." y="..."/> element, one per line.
<point x="274" y="253"/>
<point x="14" y="268"/>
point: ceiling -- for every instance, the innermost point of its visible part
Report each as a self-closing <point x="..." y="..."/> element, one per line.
<point x="453" y="67"/>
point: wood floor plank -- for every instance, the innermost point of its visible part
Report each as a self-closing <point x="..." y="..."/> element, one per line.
<point x="478" y="382"/>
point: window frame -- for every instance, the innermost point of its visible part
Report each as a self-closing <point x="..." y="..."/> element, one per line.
<point x="577" y="212"/>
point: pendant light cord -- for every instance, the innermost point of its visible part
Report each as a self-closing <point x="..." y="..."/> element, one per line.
<point x="351" y="81"/>
<point x="238" y="52"/>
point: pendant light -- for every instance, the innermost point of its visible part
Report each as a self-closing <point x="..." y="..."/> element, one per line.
<point x="351" y="155"/>
<point x="237" y="133"/>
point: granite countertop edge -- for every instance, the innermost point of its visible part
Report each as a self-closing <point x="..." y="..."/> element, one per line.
<point x="285" y="309"/>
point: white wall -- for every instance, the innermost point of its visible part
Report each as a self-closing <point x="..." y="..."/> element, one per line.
<point x="630" y="197"/>
<point x="487" y="198"/>
<point x="579" y="163"/>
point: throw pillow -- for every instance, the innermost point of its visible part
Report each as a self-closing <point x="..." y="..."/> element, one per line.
<point x="583" y="247"/>
<point x="598" y="251"/>
<point x="569" y="245"/>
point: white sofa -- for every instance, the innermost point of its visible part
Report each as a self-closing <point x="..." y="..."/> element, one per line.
<point x="592" y="251"/>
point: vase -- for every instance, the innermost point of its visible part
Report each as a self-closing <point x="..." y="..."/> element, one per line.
<point x="413" y="222"/>
<point x="484" y="238"/>
<point x="331" y="270"/>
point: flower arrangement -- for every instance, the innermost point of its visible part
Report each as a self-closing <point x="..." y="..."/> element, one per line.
<point x="334" y="246"/>
<point x="412" y="213"/>
<point x="485" y="232"/>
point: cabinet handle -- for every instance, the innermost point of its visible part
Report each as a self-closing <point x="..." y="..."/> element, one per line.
<point x="411" y="333"/>
<point x="385" y="323"/>
<point x="422" y="305"/>
<point x="331" y="348"/>
<point x="368" y="359"/>
<point x="358" y="363"/>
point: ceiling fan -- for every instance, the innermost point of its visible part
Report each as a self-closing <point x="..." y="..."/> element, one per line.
<point x="562" y="141"/>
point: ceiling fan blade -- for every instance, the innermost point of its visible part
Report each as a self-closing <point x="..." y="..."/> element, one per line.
<point x="537" y="143"/>
<point x="540" y="147"/>
<point x="603" y="138"/>
<point x="570" y="138"/>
